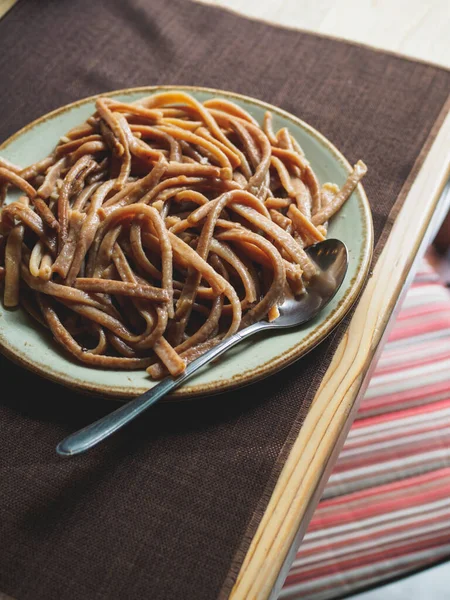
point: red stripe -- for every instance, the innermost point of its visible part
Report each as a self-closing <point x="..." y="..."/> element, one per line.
<point x="406" y="487"/>
<point x="385" y="571"/>
<point x="403" y="436"/>
<point x="411" y="363"/>
<point x="440" y="387"/>
<point x="420" y="310"/>
<point x="437" y="323"/>
<point x="360" y="537"/>
<point x="402" y="414"/>
<point x="381" y="455"/>
<point x="379" y="555"/>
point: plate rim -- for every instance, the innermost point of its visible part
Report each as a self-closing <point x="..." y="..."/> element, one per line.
<point x="276" y="364"/>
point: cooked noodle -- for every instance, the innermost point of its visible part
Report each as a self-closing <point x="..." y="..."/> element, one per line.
<point x="156" y="229"/>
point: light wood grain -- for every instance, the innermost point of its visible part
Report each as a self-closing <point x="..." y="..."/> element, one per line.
<point x="415" y="28"/>
<point x="340" y="386"/>
<point x="5" y="5"/>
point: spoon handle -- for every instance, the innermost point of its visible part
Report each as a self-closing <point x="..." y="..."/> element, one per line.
<point x="92" y="434"/>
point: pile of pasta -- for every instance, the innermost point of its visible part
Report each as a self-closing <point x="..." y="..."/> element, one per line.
<point x="159" y="227"/>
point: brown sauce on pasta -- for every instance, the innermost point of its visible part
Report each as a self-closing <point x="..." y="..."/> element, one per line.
<point x="157" y="228"/>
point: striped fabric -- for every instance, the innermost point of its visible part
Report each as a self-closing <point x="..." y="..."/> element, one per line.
<point x="386" y="508"/>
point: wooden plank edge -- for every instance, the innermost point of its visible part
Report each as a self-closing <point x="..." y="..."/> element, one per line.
<point x="5" y="6"/>
<point x="343" y="379"/>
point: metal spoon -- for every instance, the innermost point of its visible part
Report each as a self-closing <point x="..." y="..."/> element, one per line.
<point x="331" y="258"/>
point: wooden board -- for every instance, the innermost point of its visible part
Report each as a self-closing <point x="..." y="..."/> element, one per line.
<point x="5" y="5"/>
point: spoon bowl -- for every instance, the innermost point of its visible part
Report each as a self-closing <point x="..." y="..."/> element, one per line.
<point x="331" y="258"/>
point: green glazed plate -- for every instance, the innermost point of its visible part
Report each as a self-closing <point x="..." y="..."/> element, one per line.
<point x="23" y="341"/>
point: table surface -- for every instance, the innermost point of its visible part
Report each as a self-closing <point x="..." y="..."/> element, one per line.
<point x="414" y="28"/>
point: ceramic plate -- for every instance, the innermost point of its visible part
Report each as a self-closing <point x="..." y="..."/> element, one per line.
<point x="24" y="342"/>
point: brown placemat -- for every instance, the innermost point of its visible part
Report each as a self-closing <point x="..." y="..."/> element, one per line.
<point x="167" y="508"/>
